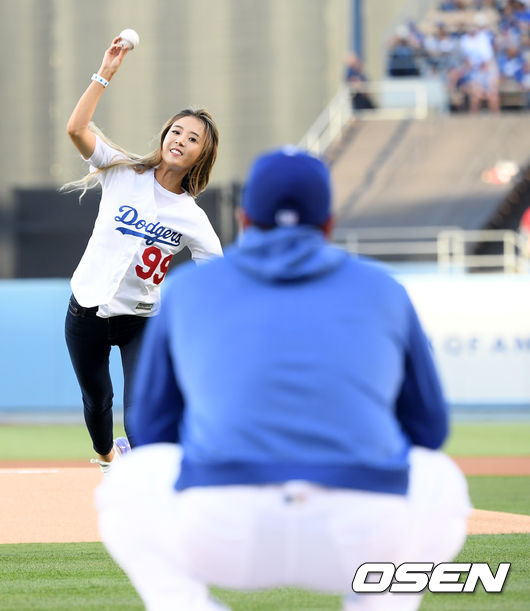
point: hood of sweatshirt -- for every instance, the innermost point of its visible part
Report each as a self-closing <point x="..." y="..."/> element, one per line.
<point x="285" y="253"/>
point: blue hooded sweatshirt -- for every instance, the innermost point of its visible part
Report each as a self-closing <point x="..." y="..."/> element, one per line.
<point x="288" y="359"/>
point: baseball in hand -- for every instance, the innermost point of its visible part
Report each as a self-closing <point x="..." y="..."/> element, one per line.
<point x="130" y="38"/>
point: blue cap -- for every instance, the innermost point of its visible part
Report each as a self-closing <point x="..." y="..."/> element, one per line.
<point x="285" y="187"/>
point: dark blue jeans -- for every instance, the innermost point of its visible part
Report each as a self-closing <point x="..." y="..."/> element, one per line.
<point x="89" y="339"/>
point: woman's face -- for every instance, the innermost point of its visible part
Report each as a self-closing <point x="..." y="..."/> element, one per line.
<point x="183" y="143"/>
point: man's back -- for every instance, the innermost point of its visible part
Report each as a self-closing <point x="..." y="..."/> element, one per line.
<point x="302" y="378"/>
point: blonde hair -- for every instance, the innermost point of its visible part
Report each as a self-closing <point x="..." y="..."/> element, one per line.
<point x="195" y="181"/>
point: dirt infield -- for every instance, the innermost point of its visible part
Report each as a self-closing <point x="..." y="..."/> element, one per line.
<point x="494" y="465"/>
<point x="53" y="502"/>
<point x="48" y="504"/>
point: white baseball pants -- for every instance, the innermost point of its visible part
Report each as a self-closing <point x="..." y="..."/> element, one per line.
<point x="173" y="545"/>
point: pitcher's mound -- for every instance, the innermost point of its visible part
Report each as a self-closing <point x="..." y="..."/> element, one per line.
<point x="495" y="523"/>
<point x="49" y="504"/>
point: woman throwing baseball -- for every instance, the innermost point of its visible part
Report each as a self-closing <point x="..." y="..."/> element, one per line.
<point x="147" y="214"/>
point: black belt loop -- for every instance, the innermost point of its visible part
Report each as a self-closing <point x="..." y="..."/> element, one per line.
<point x="79" y="310"/>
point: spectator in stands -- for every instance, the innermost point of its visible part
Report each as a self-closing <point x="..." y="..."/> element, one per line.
<point x="508" y="35"/>
<point x="479" y="5"/>
<point x="441" y="49"/>
<point x="522" y="11"/>
<point x="477" y="44"/>
<point x="524" y="37"/>
<point x="478" y="52"/>
<point x="509" y="45"/>
<point x="415" y="35"/>
<point x="452" y="5"/>
<point x="515" y="14"/>
<point x="459" y="31"/>
<point x="483" y="87"/>
<point x="525" y="78"/>
<point x="357" y="80"/>
<point x="507" y="16"/>
<point x="459" y="84"/>
<point x="511" y="64"/>
<point x="481" y="53"/>
<point x="404" y="52"/>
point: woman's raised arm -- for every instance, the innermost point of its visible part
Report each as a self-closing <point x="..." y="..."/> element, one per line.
<point x="77" y="127"/>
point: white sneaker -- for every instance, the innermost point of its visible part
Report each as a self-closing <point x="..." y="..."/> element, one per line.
<point x="121" y="446"/>
<point x="103" y="465"/>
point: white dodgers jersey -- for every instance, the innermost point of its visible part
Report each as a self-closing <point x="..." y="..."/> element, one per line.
<point x="139" y="228"/>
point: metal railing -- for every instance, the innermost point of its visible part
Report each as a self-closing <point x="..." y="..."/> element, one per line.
<point x="329" y="124"/>
<point x="453" y="249"/>
<point x="453" y="246"/>
<point x="399" y="98"/>
<point x="395" y="99"/>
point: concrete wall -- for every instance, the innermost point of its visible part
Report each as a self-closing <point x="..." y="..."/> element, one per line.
<point x="381" y="17"/>
<point x="264" y="68"/>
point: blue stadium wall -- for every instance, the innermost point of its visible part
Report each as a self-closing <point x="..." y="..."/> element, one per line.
<point x="478" y="325"/>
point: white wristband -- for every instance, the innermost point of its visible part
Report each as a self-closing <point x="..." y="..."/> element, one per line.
<point x="99" y="79"/>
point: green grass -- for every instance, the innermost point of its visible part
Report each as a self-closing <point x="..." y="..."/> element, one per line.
<point x="60" y="442"/>
<point x="489" y="439"/>
<point x="83" y="576"/>
<point x="511" y="494"/>
<point x="280" y="599"/>
<point x="492" y="549"/>
<point x="63" y="576"/>
<point x="47" y="442"/>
